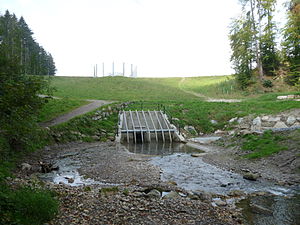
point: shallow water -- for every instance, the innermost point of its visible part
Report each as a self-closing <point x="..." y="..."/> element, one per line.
<point x="160" y="149"/>
<point x="68" y="172"/>
<point x="192" y="173"/>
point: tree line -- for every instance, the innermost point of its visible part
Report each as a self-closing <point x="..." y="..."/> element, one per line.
<point x="17" y="45"/>
<point x="21" y="60"/>
<point x="253" y="39"/>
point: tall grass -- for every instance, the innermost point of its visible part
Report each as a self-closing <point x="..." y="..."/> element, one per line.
<point x="214" y="87"/>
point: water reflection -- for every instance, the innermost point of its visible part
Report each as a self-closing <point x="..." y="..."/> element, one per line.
<point x="160" y="149"/>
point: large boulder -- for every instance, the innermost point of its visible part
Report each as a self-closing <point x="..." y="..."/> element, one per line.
<point x="250" y="176"/>
<point x="290" y="120"/>
<point x="280" y="125"/>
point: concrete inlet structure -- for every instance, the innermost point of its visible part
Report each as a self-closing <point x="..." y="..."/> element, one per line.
<point x="146" y="126"/>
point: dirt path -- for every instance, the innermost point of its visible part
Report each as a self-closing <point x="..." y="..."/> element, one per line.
<point x="206" y="98"/>
<point x="79" y="111"/>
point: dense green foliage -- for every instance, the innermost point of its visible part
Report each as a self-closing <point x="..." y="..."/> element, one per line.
<point x="26" y="206"/>
<point x="20" y="55"/>
<point x="253" y="42"/>
<point x="18" y="45"/>
<point x="291" y="43"/>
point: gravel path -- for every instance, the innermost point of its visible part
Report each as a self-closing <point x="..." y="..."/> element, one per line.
<point x="79" y="111"/>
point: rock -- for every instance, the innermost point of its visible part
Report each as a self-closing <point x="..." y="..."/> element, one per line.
<point x="194" y="197"/>
<point x="233" y="120"/>
<point x="244" y="132"/>
<point x="257" y="121"/>
<point x="296" y="124"/>
<point x="47" y="167"/>
<point x="236" y="193"/>
<point x="205" y="140"/>
<point x="260" y="209"/>
<point x="138" y="194"/>
<point x="298" y="119"/>
<point x="70" y="180"/>
<point x="171" y="182"/>
<point x="214" y="122"/>
<point x="290" y="120"/>
<point x="172" y="195"/>
<point x="26" y="167"/>
<point x="256" y="124"/>
<point x="191" y="129"/>
<point x="240" y="120"/>
<point x="280" y="125"/>
<point x="261" y="193"/>
<point x="196" y="155"/>
<point x="203" y="196"/>
<point x="265" y="118"/>
<point x="154" y="194"/>
<point x="220" y="202"/>
<point x="274" y="119"/>
<point x="250" y="176"/>
<point x="232" y="132"/>
<point x="282" y="97"/>
<point x="221" y="132"/>
<point x="175" y="119"/>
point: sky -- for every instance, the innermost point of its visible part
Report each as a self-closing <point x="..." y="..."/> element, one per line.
<point x="162" y="38"/>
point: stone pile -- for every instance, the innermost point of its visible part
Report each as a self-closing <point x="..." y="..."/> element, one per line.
<point x="282" y="121"/>
<point x="289" y="97"/>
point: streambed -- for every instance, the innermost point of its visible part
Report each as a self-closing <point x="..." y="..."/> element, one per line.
<point x="111" y="164"/>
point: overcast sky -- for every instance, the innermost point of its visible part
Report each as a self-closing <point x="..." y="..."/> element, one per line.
<point x="161" y="37"/>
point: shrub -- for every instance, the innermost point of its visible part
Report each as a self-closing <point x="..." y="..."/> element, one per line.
<point x="267" y="83"/>
<point x="26" y="206"/>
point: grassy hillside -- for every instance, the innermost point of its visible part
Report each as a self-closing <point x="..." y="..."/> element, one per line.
<point x="120" y="88"/>
<point x="213" y="86"/>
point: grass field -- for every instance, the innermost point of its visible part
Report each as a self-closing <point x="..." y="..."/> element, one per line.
<point x="214" y="86"/>
<point x="190" y="109"/>
<point x="120" y="88"/>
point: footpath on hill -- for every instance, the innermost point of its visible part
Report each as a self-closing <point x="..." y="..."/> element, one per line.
<point x="94" y="104"/>
<point x="206" y="98"/>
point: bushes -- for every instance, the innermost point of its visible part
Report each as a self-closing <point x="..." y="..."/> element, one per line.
<point x="267" y="83"/>
<point x="26" y="206"/>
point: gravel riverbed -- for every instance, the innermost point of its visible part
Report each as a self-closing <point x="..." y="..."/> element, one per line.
<point x="128" y="180"/>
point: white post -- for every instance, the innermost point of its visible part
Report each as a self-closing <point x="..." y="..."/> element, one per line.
<point x="103" y="68"/>
<point x="123" y="69"/>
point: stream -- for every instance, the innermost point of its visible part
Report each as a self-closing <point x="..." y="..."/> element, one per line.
<point x="183" y="164"/>
<point x="279" y="206"/>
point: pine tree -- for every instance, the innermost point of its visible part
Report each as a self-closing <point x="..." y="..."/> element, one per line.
<point x="18" y="46"/>
<point x="291" y="43"/>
